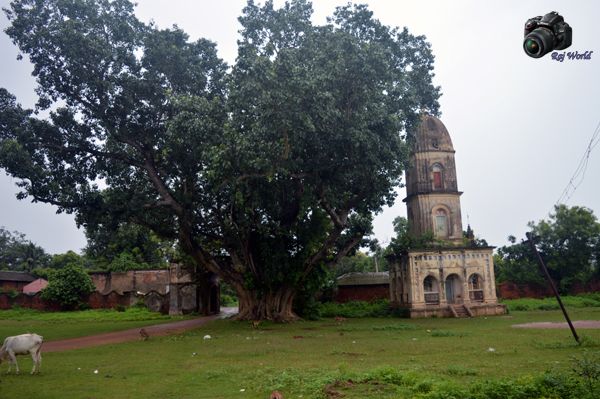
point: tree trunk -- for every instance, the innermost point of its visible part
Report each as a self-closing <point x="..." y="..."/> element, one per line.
<point x="273" y="305"/>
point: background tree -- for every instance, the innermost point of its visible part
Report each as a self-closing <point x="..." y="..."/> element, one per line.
<point x="357" y="263"/>
<point x="403" y="241"/>
<point x="68" y="286"/>
<point x="267" y="181"/>
<point x="19" y="254"/>
<point x="377" y="255"/>
<point x="517" y="263"/>
<point x="569" y="243"/>
<point x="126" y="247"/>
<point x="60" y="261"/>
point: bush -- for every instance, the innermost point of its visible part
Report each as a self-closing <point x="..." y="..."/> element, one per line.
<point x="357" y="309"/>
<point x="228" y="295"/>
<point x="307" y="307"/>
<point x="68" y="287"/>
<point x="556" y="385"/>
<point x="228" y="300"/>
<point x="572" y="301"/>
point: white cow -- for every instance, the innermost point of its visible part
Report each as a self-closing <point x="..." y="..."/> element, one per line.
<point x="22" y="345"/>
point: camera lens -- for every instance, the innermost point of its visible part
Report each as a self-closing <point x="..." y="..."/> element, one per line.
<point x="539" y="42"/>
<point x="531" y="46"/>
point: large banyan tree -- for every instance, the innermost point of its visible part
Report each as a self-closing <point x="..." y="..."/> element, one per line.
<point x="266" y="172"/>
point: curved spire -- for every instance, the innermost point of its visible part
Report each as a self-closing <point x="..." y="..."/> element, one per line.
<point x="432" y="135"/>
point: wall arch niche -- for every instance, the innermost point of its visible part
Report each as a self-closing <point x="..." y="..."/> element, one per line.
<point x="441" y="225"/>
<point x="437" y="176"/>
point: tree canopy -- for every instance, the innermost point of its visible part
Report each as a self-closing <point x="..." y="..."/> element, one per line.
<point x="17" y="253"/>
<point x="125" y="247"/>
<point x="568" y="242"/>
<point x="266" y="173"/>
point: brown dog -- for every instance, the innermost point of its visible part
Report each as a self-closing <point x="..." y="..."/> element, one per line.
<point x="276" y="395"/>
<point x="144" y="335"/>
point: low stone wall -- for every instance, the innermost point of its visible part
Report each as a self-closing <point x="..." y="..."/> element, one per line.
<point x="134" y="280"/>
<point x="488" y="309"/>
<point x="430" y="311"/>
<point x="168" y="291"/>
<point x="444" y="311"/>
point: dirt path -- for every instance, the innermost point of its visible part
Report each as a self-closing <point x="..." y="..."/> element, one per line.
<point x="133" y="334"/>
<point x="545" y="325"/>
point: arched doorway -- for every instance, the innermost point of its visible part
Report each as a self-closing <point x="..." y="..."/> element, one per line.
<point x="453" y="289"/>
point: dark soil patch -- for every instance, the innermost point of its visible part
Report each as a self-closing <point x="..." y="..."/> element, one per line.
<point x="131" y="334"/>
<point x="592" y="324"/>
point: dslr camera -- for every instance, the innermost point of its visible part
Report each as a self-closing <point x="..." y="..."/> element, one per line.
<point x="547" y="33"/>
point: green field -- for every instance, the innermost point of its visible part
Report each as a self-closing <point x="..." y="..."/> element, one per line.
<point x="369" y="358"/>
<point x="61" y="325"/>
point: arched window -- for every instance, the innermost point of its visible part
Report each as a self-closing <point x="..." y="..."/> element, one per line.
<point x="430" y="284"/>
<point x="437" y="176"/>
<point x="431" y="291"/>
<point x="475" y="282"/>
<point x="475" y="288"/>
<point x="441" y="223"/>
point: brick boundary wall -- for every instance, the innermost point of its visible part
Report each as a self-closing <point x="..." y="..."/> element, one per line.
<point x="505" y="290"/>
<point x="155" y="301"/>
<point x="346" y="293"/>
<point x="510" y="290"/>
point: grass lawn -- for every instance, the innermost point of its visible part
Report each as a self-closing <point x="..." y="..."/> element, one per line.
<point x="61" y="325"/>
<point x="395" y="357"/>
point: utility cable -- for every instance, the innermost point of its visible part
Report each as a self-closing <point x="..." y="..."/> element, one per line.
<point x="579" y="174"/>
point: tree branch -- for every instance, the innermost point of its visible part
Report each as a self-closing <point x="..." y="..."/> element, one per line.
<point x="160" y="185"/>
<point x="347" y="248"/>
<point x="338" y="220"/>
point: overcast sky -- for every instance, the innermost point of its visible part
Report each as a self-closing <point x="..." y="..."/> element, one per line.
<point x="519" y="125"/>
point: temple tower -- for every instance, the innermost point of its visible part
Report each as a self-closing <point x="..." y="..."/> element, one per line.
<point x="453" y="277"/>
<point x="433" y="199"/>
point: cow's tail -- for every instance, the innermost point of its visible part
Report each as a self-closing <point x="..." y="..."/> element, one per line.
<point x="3" y="351"/>
<point x="39" y="348"/>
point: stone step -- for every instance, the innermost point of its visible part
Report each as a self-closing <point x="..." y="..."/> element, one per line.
<point x="460" y="311"/>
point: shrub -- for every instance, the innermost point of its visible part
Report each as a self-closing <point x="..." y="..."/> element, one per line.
<point x="357" y="309"/>
<point x="588" y="369"/>
<point x="140" y="304"/>
<point x="574" y="301"/>
<point x="228" y="300"/>
<point x="68" y="286"/>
